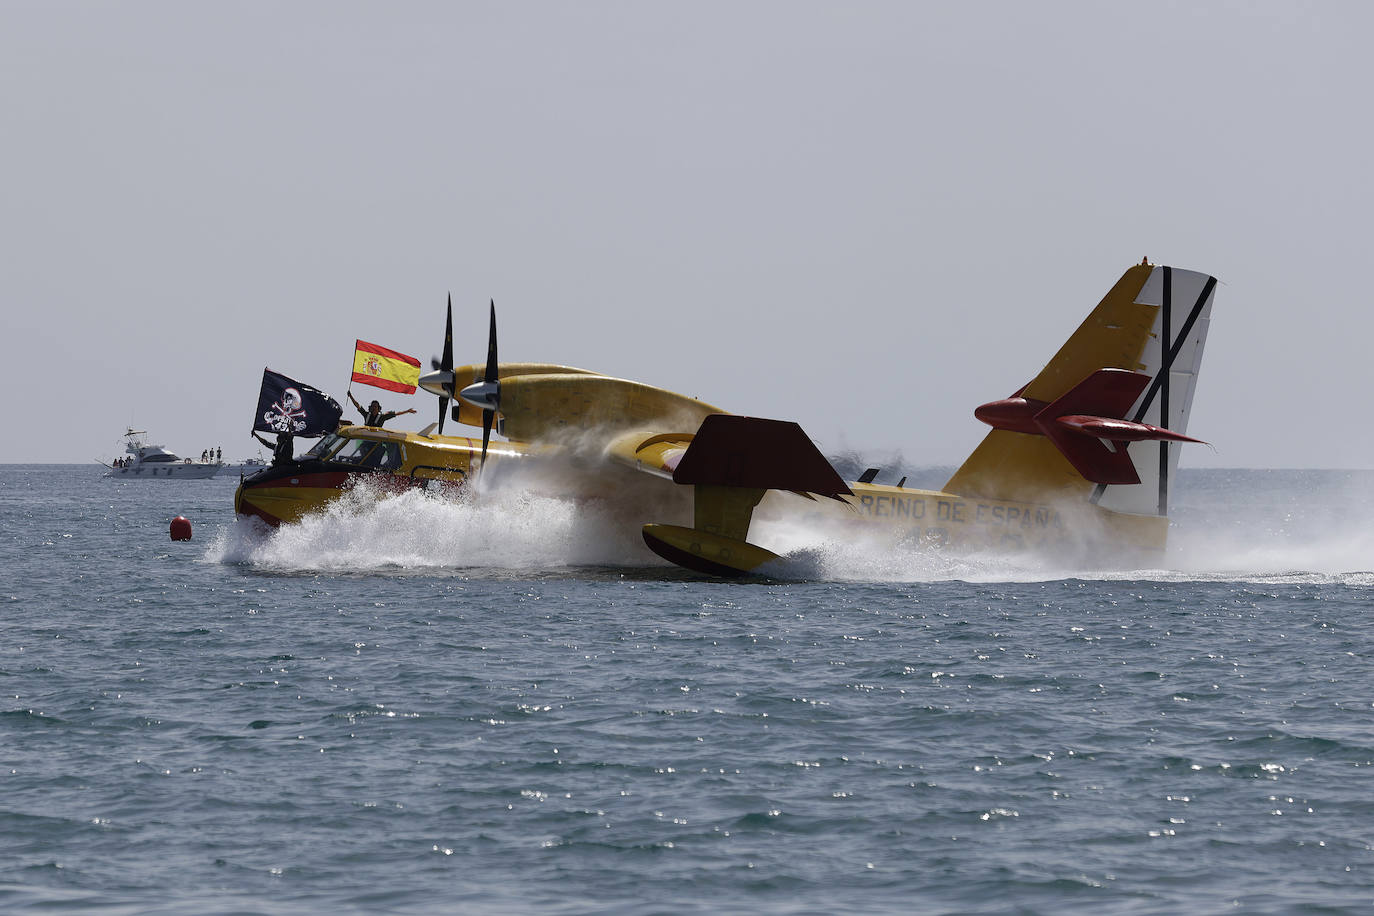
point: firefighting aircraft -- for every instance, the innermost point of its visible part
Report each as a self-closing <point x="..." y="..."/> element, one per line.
<point x="1080" y="459"/>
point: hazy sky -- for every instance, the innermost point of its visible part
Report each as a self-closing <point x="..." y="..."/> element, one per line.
<point x="867" y="217"/>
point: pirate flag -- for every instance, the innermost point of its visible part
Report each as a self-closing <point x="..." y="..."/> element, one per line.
<point x="287" y="406"/>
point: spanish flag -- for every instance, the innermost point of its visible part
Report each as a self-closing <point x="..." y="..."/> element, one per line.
<point x="374" y="365"/>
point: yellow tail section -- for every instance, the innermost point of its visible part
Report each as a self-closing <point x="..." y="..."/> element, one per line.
<point x="1153" y="322"/>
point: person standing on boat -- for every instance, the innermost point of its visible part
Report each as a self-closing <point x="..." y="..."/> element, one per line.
<point x="373" y="415"/>
<point x="283" y="450"/>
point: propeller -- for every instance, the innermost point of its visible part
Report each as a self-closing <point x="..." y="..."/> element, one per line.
<point x="491" y="377"/>
<point x="445" y="366"/>
<point x="486" y="394"/>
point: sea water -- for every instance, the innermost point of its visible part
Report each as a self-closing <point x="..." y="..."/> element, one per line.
<point x="415" y="705"/>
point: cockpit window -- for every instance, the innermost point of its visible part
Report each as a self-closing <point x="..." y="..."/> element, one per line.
<point x="354" y="451"/>
<point x="386" y="456"/>
<point x="326" y="446"/>
<point x="365" y="453"/>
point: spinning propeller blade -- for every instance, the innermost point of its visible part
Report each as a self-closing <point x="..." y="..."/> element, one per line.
<point x="491" y="347"/>
<point x="487" y="416"/>
<point x="446" y="365"/>
<point x="491" y="376"/>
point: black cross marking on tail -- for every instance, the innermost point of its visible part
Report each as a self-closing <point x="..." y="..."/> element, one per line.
<point x="1160" y="386"/>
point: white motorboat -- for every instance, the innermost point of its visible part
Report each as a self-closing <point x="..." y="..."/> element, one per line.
<point x="246" y="466"/>
<point x="147" y="460"/>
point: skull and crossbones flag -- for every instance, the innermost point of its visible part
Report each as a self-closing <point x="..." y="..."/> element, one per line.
<point x="287" y="406"/>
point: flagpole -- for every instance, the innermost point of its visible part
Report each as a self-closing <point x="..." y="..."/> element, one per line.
<point x="349" y="390"/>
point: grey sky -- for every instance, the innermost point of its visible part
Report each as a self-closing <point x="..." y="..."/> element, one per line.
<point x="867" y="217"/>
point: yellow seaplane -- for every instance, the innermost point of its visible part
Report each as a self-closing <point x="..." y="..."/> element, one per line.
<point x="1079" y="462"/>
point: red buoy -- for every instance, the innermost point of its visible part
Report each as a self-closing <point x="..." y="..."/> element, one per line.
<point x="181" y="528"/>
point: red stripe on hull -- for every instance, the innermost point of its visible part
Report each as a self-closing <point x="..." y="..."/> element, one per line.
<point x="336" y="481"/>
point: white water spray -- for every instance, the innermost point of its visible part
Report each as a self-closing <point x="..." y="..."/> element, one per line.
<point x="1279" y="526"/>
<point x="503" y="528"/>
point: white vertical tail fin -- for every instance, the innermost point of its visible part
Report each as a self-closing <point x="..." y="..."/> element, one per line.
<point x="1173" y="355"/>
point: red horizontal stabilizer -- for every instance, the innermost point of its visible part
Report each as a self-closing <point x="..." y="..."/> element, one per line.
<point x="1105" y="393"/>
<point x="1120" y="430"/>
<point x="1099" y="398"/>
<point x="734" y="451"/>
<point x="1093" y="410"/>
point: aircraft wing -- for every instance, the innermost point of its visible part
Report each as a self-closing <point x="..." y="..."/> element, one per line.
<point x="730" y="462"/>
<point x="548" y="407"/>
<point x="732" y="451"/>
<point x="653" y="453"/>
<point x="545" y="402"/>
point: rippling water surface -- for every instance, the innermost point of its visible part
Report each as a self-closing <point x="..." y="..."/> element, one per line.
<point x="417" y="706"/>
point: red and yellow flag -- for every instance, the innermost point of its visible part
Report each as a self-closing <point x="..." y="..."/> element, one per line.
<point x="374" y="365"/>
